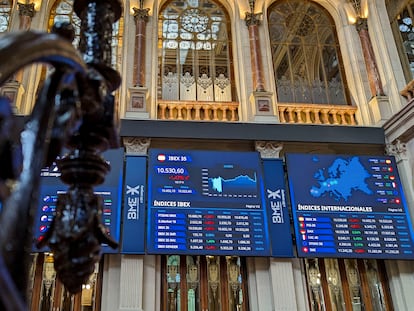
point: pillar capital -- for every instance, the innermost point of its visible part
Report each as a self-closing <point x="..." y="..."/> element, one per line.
<point x="361" y="24"/>
<point x="253" y="19"/>
<point x="398" y="149"/>
<point x="137" y="145"/>
<point x="269" y="149"/>
<point x="26" y="9"/>
<point x="141" y="14"/>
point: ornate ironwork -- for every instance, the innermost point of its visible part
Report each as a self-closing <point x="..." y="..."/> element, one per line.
<point x="75" y="110"/>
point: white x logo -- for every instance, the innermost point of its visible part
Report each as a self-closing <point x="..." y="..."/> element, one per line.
<point x="132" y="190"/>
<point x="273" y="194"/>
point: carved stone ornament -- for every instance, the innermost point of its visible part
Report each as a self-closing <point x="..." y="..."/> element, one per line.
<point x="137" y="145"/>
<point x="187" y="80"/>
<point x="26" y="9"/>
<point x="170" y="79"/>
<point x="204" y="81"/>
<point x="141" y="14"/>
<point x="253" y="19"/>
<point x="397" y="149"/>
<point x="269" y="150"/>
<point x="222" y="81"/>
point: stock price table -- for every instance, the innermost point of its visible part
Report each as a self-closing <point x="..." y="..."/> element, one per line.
<point x="349" y="207"/>
<point x="110" y="191"/>
<point x="206" y="202"/>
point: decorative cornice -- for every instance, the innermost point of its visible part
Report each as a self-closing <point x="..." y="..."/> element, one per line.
<point x="269" y="150"/>
<point x="26" y="9"/>
<point x="137" y="145"/>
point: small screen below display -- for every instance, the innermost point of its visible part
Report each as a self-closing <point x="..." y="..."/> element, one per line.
<point x="110" y="190"/>
<point x="206" y="202"/>
<point x="349" y="207"/>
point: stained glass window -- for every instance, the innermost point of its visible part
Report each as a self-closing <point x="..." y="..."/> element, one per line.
<point x="305" y="51"/>
<point x="401" y="18"/>
<point x="5" y="13"/>
<point x="195" y="51"/>
<point x="62" y="11"/>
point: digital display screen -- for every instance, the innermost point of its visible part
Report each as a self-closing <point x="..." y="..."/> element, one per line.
<point x="277" y="208"/>
<point x="206" y="202"/>
<point x="110" y="190"/>
<point x="349" y="206"/>
<point x="135" y="194"/>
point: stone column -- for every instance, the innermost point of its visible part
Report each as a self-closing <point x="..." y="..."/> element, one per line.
<point x="398" y="149"/>
<point x="252" y="23"/>
<point x="379" y="102"/>
<point x="399" y="272"/>
<point x="260" y="99"/>
<point x="369" y="57"/>
<point x="137" y="103"/>
<point x="131" y="283"/>
<point x="141" y="18"/>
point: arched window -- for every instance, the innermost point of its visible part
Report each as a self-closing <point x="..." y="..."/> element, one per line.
<point x="305" y="52"/>
<point x="194" y="55"/>
<point x="62" y="11"/>
<point x="401" y="17"/>
<point x="5" y="13"/>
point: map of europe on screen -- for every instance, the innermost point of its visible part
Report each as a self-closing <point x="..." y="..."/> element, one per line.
<point x="340" y="179"/>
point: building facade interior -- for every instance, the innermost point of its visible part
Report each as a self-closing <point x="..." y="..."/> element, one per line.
<point x="269" y="76"/>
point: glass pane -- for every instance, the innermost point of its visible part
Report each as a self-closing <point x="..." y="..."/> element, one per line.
<point x="405" y="22"/>
<point x="173" y="283"/>
<point x="62" y="11"/>
<point x="214" y="290"/>
<point x="306" y="53"/>
<point x="193" y="283"/>
<point x="334" y="284"/>
<point x="313" y="276"/>
<point x="375" y="287"/>
<point x="194" y="35"/>
<point x="5" y="13"/>
<point x="354" y="283"/>
<point x="48" y="284"/>
<point x="235" y="283"/>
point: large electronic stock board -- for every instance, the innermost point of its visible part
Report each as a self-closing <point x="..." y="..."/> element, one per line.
<point x="110" y="190"/>
<point x="348" y="206"/>
<point x="206" y="202"/>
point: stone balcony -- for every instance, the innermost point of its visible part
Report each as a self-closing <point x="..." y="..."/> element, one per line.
<point x="317" y="114"/>
<point x="228" y="112"/>
<point x="198" y="111"/>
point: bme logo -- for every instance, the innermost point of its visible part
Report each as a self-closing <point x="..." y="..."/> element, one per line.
<point x="132" y="198"/>
<point x="277" y="202"/>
